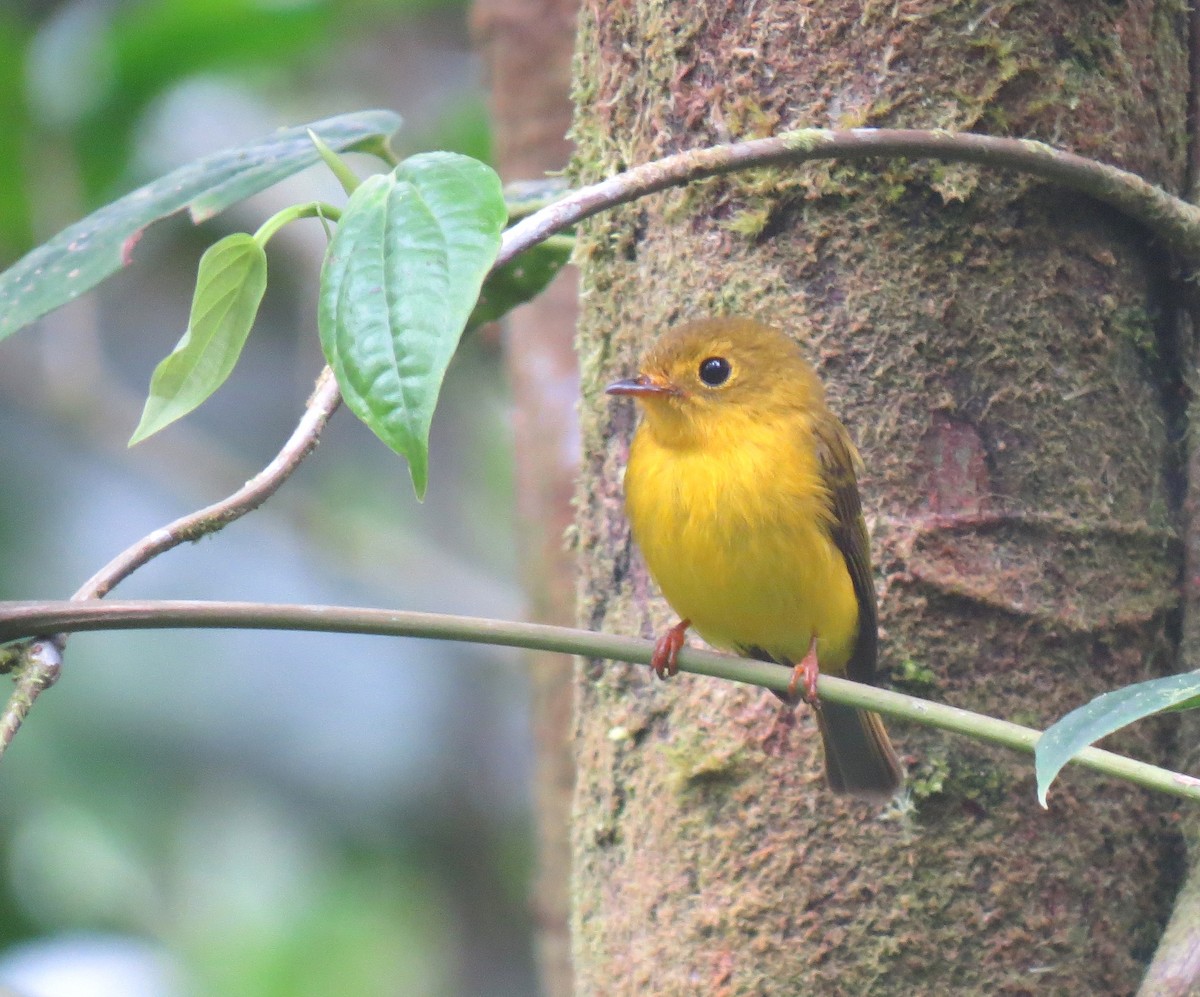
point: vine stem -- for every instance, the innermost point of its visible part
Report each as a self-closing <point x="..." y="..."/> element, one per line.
<point x="1172" y="219"/>
<point x="39" y="663"/>
<point x="19" y="619"/>
<point x="322" y="403"/>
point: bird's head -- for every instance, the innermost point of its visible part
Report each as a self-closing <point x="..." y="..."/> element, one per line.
<point x="716" y="376"/>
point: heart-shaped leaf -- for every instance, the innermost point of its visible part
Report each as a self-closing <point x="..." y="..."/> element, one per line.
<point x="229" y="287"/>
<point x="401" y="276"/>
<point x="82" y="255"/>
<point x="1103" y="715"/>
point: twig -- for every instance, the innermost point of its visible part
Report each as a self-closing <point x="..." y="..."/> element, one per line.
<point x="321" y="405"/>
<point x="41" y="662"/>
<point x="19" y="619"/>
<point x="1174" y="220"/>
<point x="39" y="668"/>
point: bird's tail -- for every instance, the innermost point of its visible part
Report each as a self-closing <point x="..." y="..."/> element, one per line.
<point x="859" y="759"/>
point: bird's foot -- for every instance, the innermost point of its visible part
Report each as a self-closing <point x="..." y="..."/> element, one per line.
<point x="807" y="671"/>
<point x="665" y="659"/>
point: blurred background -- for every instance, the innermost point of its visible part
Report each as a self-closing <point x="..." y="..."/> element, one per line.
<point x="243" y="813"/>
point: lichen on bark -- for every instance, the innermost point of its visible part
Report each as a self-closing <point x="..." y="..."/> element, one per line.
<point x="997" y="348"/>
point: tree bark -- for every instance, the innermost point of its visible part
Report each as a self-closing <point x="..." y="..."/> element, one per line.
<point x="996" y="347"/>
<point x="528" y="45"/>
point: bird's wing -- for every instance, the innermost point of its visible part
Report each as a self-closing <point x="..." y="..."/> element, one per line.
<point x="838" y="459"/>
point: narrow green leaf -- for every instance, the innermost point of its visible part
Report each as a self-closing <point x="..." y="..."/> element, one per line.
<point x="229" y="288"/>
<point x="401" y="276"/>
<point x="83" y="254"/>
<point x="1103" y="715"/>
<point x="520" y="280"/>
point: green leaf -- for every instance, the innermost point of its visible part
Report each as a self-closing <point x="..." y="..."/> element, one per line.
<point x="1192" y="703"/>
<point x="229" y="288"/>
<point x="520" y="280"/>
<point x="1103" y="715"/>
<point x="401" y="276"/>
<point x="337" y="166"/>
<point x="82" y="255"/>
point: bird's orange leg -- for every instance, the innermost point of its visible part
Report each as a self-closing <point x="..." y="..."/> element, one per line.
<point x="664" y="660"/>
<point x="808" y="670"/>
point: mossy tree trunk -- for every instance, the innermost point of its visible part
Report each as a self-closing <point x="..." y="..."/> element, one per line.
<point x="995" y="346"/>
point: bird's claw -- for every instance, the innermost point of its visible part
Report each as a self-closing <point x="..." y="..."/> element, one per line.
<point x="665" y="659"/>
<point x="807" y="671"/>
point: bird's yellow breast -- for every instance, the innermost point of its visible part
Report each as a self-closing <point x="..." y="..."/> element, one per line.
<point x="736" y="534"/>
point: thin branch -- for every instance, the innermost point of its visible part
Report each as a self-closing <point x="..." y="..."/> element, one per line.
<point x="321" y="405"/>
<point x="1174" y="220"/>
<point x="18" y="619"/>
<point x="41" y="663"/>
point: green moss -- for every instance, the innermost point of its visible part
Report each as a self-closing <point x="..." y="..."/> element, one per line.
<point x="985" y="784"/>
<point x="927" y="779"/>
<point x="913" y="677"/>
<point x="747" y="118"/>
<point x="11" y="657"/>
<point x="695" y="762"/>
<point x="944" y="780"/>
<point x="1133" y="324"/>
<point x="805" y="139"/>
<point x="954" y="181"/>
<point x="749" y="221"/>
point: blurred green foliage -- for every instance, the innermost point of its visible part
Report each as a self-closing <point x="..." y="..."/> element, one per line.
<point x="16" y="226"/>
<point x="77" y="78"/>
<point x="133" y="802"/>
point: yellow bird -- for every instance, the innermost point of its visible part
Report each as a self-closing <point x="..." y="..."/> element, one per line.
<point x="742" y="496"/>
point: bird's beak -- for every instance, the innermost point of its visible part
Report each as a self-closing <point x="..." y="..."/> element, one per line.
<point x="641" y="386"/>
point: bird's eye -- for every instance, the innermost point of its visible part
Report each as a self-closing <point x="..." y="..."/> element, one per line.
<point x="715" y="371"/>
